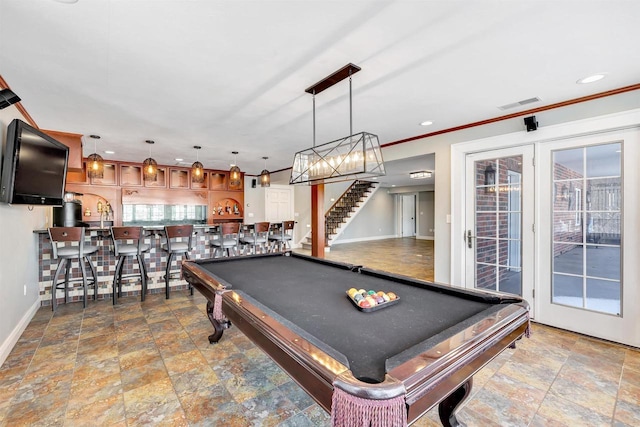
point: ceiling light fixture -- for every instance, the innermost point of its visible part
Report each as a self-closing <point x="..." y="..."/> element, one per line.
<point x="592" y="78"/>
<point x="353" y="157"/>
<point x="265" y="176"/>
<point x="109" y="152"/>
<point x="150" y="166"/>
<point x="420" y="175"/>
<point x="95" y="162"/>
<point x="234" y="173"/>
<point x="197" y="168"/>
<point x="426" y="123"/>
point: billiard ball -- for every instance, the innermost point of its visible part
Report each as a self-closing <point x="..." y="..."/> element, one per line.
<point x="392" y="296"/>
<point x="364" y="304"/>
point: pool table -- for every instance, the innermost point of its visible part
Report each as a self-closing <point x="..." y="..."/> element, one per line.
<point x="389" y="365"/>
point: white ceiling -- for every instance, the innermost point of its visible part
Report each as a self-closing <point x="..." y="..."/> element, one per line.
<point x="231" y="75"/>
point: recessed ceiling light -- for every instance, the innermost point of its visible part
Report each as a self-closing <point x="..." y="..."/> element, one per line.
<point x="66" y="1"/>
<point x="109" y="152"/>
<point x="426" y="123"/>
<point x="393" y="185"/>
<point x="591" y="79"/>
<point x="178" y="159"/>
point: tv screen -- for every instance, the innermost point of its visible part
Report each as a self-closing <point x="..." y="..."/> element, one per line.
<point x="34" y="167"/>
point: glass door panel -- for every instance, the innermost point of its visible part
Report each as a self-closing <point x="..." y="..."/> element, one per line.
<point x="498" y="224"/>
<point x="586" y="248"/>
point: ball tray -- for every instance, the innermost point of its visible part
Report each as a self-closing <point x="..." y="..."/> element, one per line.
<point x="374" y="308"/>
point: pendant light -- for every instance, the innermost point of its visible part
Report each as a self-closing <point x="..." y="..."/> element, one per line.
<point x="150" y="166"/>
<point x="197" y="169"/>
<point x="234" y="173"/>
<point x="95" y="162"/>
<point x="265" y="176"/>
<point x="357" y="156"/>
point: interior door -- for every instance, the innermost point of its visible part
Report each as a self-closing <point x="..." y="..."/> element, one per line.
<point x="499" y="221"/>
<point x="278" y="204"/>
<point x="408" y="215"/>
<point x="588" y="287"/>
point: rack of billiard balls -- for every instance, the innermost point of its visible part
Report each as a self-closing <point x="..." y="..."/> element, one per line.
<point x="371" y="300"/>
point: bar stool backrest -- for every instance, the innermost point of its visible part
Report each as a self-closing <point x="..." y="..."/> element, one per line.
<point x="179" y="231"/>
<point x="122" y="234"/>
<point x="66" y="235"/>
<point x="229" y="228"/>
<point x="262" y="227"/>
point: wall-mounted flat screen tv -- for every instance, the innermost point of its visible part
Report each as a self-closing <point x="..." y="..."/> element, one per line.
<point x="34" y="167"/>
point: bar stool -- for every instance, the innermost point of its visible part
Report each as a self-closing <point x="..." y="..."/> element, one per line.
<point x="258" y="237"/>
<point x="176" y="245"/>
<point x="282" y="236"/>
<point x="122" y="248"/>
<point x="229" y="238"/>
<point x="68" y="244"/>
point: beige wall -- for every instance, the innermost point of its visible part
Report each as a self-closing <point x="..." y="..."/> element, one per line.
<point x="18" y="260"/>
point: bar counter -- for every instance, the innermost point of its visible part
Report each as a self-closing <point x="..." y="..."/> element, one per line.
<point x="105" y="262"/>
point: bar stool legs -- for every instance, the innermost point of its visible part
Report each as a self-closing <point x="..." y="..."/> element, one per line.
<point x="117" y="277"/>
<point x="66" y="264"/>
<point x="167" y="275"/>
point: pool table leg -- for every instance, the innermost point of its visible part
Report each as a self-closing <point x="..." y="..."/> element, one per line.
<point x="219" y="327"/>
<point x="449" y="405"/>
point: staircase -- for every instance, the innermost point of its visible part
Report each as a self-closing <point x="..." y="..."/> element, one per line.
<point x="343" y="210"/>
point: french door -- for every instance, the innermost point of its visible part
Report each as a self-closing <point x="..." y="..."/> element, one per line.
<point x="588" y="268"/>
<point x="499" y="221"/>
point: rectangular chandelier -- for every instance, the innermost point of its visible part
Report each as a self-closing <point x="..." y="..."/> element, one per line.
<point x="353" y="157"/>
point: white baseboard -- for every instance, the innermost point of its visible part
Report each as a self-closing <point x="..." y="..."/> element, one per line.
<point x="425" y="238"/>
<point x="363" y="239"/>
<point x="14" y="336"/>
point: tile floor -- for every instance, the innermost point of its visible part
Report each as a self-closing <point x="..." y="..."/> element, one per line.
<point x="151" y="364"/>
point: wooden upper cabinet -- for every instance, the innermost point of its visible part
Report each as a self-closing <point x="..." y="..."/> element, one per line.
<point x="110" y="177"/>
<point x="131" y="175"/>
<point x="161" y="179"/>
<point x="74" y="142"/>
<point x="239" y="187"/>
<point x="218" y="180"/>
<point x="178" y="178"/>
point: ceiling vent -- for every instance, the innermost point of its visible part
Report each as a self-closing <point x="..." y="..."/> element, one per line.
<point x="520" y="103"/>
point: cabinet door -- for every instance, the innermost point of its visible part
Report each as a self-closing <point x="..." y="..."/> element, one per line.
<point x="218" y="181"/>
<point x="160" y="182"/>
<point x="109" y="177"/>
<point x="201" y="185"/>
<point x="240" y="186"/>
<point x="130" y="175"/>
<point x="178" y="178"/>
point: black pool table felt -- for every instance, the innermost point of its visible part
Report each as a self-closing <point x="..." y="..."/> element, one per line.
<point x="311" y="297"/>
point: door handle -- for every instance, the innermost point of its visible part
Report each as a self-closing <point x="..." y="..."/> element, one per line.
<point x="469" y="239"/>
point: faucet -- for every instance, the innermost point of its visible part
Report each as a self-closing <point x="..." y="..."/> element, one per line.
<point x="103" y="210"/>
